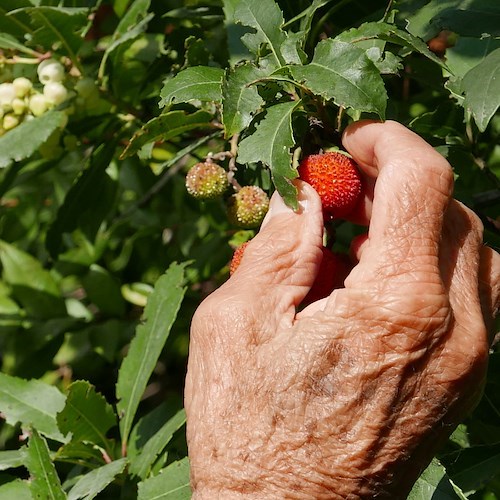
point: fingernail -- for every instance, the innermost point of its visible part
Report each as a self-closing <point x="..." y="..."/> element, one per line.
<point x="277" y="206"/>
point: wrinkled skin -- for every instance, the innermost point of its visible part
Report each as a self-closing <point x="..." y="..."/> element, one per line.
<point x="351" y="397"/>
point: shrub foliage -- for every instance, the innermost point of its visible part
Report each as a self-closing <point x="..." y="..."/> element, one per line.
<point x="104" y="106"/>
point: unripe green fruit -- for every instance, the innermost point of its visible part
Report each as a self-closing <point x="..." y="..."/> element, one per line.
<point x="206" y="181"/>
<point x="18" y="106"/>
<point x="23" y="86"/>
<point x="247" y="208"/>
<point x="86" y="88"/>
<point x="7" y="94"/>
<point x="10" y="121"/>
<point x="55" y="92"/>
<point x="50" y="70"/>
<point x="38" y="104"/>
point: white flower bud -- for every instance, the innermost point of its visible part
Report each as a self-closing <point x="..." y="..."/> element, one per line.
<point x="7" y="93"/>
<point x="18" y="106"/>
<point x="50" y="70"/>
<point x="55" y="92"/>
<point x="10" y="121"/>
<point x="23" y="86"/>
<point x="39" y="104"/>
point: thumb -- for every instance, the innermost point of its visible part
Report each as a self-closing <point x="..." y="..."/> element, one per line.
<point x="280" y="264"/>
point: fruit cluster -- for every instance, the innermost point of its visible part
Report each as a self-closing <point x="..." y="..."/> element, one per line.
<point x="338" y="182"/>
<point x="21" y="100"/>
<point x="246" y="208"/>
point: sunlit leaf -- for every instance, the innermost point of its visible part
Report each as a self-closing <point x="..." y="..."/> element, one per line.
<point x="15" y="147"/>
<point x="266" y="18"/>
<point x="142" y="462"/>
<point x="166" y="126"/>
<point x="171" y="483"/>
<point x="31" y="402"/>
<point x="481" y="86"/>
<point x="159" y="315"/>
<point x="86" y="415"/>
<point x="61" y="25"/>
<point x="343" y="73"/>
<point x="92" y="483"/>
<point x="45" y="482"/>
<point x="199" y="82"/>
<point x="434" y="483"/>
<point x="270" y="144"/>
<point x="241" y="100"/>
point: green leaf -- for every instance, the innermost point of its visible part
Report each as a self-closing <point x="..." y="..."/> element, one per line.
<point x="477" y="18"/>
<point x="199" y="82"/>
<point x="45" y="482"/>
<point x="172" y="483"/>
<point x="11" y="459"/>
<point x="266" y="18"/>
<point x="145" y="348"/>
<point x="166" y="126"/>
<point x="482" y="89"/>
<point x="31" y="402"/>
<point x="79" y="452"/>
<point x="291" y="48"/>
<point x="18" y="489"/>
<point x="87" y="202"/>
<point x="92" y="483"/>
<point x="133" y="23"/>
<point x="61" y="25"/>
<point x="467" y="53"/>
<point x="388" y="33"/>
<point x="270" y="144"/>
<point x="342" y="72"/>
<point x="103" y="290"/>
<point x="434" y="483"/>
<point x="17" y="24"/>
<point x="9" y="42"/>
<point x="15" y="147"/>
<point x="241" y="101"/>
<point x="31" y="284"/>
<point x="474" y="467"/>
<point x="146" y="457"/>
<point x="87" y="415"/>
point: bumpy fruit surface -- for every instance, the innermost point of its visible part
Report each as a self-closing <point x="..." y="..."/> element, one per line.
<point x="336" y="179"/>
<point x="333" y="270"/>
<point x="247" y="208"/>
<point x="206" y="181"/>
<point x="237" y="256"/>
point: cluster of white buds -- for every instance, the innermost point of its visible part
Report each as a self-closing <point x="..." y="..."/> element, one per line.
<point x="20" y="100"/>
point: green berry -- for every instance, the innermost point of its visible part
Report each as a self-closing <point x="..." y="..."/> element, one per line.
<point x="248" y="207"/>
<point x="23" y="86"/>
<point x="10" y="121"/>
<point x="86" y="88"/>
<point x="38" y="104"/>
<point x="18" y="106"/>
<point x="206" y="181"/>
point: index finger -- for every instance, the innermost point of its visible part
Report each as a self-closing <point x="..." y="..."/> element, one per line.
<point x="413" y="187"/>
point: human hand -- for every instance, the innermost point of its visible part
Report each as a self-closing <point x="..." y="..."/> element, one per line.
<point x="351" y="397"/>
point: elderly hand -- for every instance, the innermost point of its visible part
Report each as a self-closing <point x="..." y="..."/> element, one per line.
<point x="351" y="397"/>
